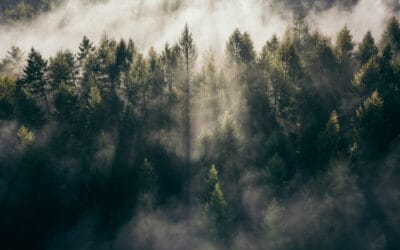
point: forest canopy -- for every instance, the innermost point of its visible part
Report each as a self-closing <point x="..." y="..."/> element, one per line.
<point x="294" y="146"/>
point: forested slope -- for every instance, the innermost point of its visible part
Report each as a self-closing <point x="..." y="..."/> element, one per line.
<point x="295" y="146"/>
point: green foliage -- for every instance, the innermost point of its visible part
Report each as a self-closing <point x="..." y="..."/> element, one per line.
<point x="216" y="206"/>
<point x="24" y="10"/>
<point x="369" y="123"/>
<point x="240" y="48"/>
<point x="147" y="177"/>
<point x="368" y="77"/>
<point x="7" y="96"/>
<point x="12" y="63"/>
<point x="344" y="44"/>
<point x="391" y="35"/>
<point x="66" y="104"/>
<point x="62" y="69"/>
<point x="94" y="98"/>
<point x="34" y="77"/>
<point x="122" y="122"/>
<point x="26" y="109"/>
<point x="366" y="49"/>
<point x="25" y="136"/>
<point x="276" y="170"/>
<point x="274" y="227"/>
<point x="228" y="137"/>
<point x="330" y="138"/>
<point x="187" y="47"/>
<point x="85" y="48"/>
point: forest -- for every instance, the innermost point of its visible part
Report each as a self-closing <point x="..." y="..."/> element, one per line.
<point x="294" y="146"/>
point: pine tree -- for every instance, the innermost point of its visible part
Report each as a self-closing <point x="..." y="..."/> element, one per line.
<point x="121" y="63"/>
<point x="368" y="78"/>
<point x="369" y="124"/>
<point x="240" y="50"/>
<point x="139" y="89"/>
<point x="216" y="206"/>
<point x="391" y="36"/>
<point x="85" y="48"/>
<point x="12" y="63"/>
<point x="170" y="60"/>
<point x="233" y="47"/>
<point x="344" y="44"/>
<point x="189" y="54"/>
<point x="367" y="48"/>
<point x="273" y="44"/>
<point x="7" y="97"/>
<point x="329" y="139"/>
<point x="34" y="76"/>
<point x="62" y="69"/>
<point x="156" y="80"/>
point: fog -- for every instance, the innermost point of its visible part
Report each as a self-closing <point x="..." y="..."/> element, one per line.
<point x="154" y="22"/>
<point x="331" y="205"/>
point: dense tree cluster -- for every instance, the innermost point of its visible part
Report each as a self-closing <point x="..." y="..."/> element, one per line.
<point x="24" y="10"/>
<point x="309" y="125"/>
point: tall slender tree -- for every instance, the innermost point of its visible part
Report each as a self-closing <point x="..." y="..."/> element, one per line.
<point x="189" y="53"/>
<point x="367" y="48"/>
<point x="34" y="76"/>
<point x="85" y="47"/>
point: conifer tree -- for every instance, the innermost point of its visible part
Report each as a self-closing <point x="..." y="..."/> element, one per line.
<point x="62" y="69"/>
<point x="85" y="48"/>
<point x="189" y="54"/>
<point x="367" y="48"/>
<point x="344" y="44"/>
<point x="391" y="35"/>
<point x="34" y="76"/>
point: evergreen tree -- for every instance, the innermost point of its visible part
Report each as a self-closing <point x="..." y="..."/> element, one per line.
<point x="189" y="53"/>
<point x="367" y="48"/>
<point x="369" y="124"/>
<point x="7" y="97"/>
<point x="329" y="139"/>
<point x="273" y="44"/>
<point x="62" y="69"/>
<point x="12" y="63"/>
<point x="391" y="36"/>
<point x="85" y="48"/>
<point x="34" y="76"/>
<point x="368" y="78"/>
<point x="344" y="44"/>
<point x="170" y="62"/>
<point x="139" y="88"/>
<point x="216" y="206"/>
<point x="240" y="50"/>
<point x="156" y="78"/>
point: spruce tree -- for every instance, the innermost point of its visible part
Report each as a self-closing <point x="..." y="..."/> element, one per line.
<point x="367" y="48"/>
<point x="189" y="53"/>
<point x="34" y="76"/>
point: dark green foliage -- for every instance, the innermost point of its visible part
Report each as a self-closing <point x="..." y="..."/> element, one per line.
<point x="391" y="35"/>
<point x="366" y="49"/>
<point x="7" y="96"/>
<point x="344" y="44"/>
<point x="26" y="109"/>
<point x="369" y="123"/>
<point x="24" y="10"/>
<point x="34" y="77"/>
<point x="297" y="149"/>
<point x="215" y="205"/>
<point x="85" y="48"/>
<point x="62" y="69"/>
<point x="189" y="54"/>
